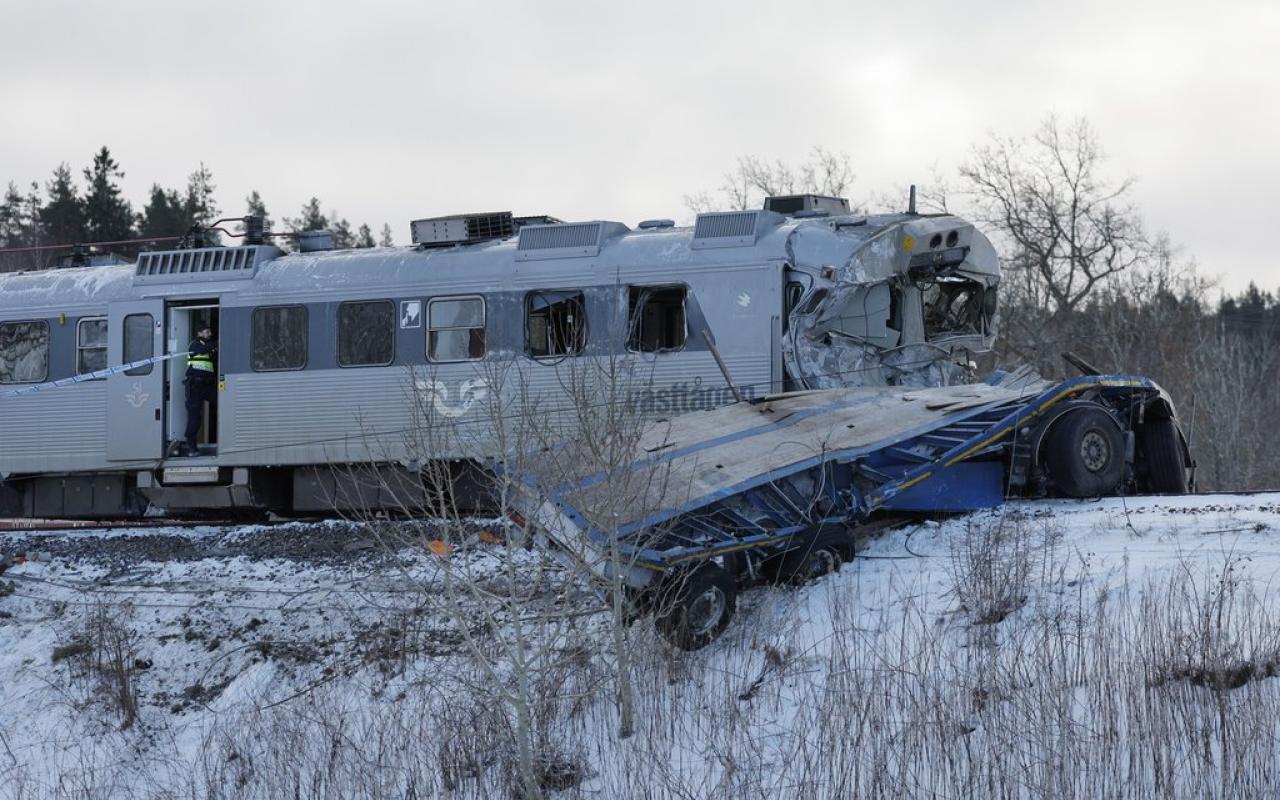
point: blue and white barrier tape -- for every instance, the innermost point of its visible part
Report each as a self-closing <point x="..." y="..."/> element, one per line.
<point x="88" y="376"/>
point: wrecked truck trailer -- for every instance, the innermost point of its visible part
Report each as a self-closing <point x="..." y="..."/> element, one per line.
<point x="779" y="489"/>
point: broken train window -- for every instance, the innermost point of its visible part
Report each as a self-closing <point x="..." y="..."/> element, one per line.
<point x="555" y="323"/>
<point x="657" y="318"/>
<point x="24" y="351"/>
<point x="952" y="307"/>
<point x="279" y="340"/>
<point x="91" y="345"/>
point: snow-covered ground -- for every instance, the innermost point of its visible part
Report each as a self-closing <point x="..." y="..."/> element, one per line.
<point x="1116" y="648"/>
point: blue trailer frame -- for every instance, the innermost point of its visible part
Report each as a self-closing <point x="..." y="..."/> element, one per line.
<point x="968" y="459"/>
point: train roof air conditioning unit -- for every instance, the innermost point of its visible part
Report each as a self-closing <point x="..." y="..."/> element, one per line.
<point x="462" y="229"/>
<point x="793" y="204"/>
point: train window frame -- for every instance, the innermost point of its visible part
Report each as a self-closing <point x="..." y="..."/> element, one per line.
<point x="483" y="327"/>
<point x="81" y="348"/>
<point x="151" y="344"/>
<point x="306" y="338"/>
<point x="391" y="328"/>
<point x="43" y="323"/>
<point x="637" y="291"/>
<point x="579" y="332"/>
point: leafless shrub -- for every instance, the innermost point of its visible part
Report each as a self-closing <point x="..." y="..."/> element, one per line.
<point x="991" y="566"/>
<point x="103" y="649"/>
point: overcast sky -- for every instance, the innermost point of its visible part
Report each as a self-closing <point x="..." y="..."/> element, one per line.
<point x="389" y="111"/>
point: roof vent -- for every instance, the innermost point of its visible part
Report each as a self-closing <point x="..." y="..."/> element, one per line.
<point x="789" y="204"/>
<point x="462" y="229"/>
<point x="651" y="224"/>
<point x="732" y="228"/>
<point x="207" y="264"/>
<point x="569" y="240"/>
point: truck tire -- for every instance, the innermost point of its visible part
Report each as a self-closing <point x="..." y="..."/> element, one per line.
<point x="1162" y="447"/>
<point x="1085" y="454"/>
<point x="821" y="554"/>
<point x="695" y="606"/>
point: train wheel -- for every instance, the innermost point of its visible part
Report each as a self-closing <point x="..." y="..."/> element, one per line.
<point x="1085" y="454"/>
<point x="1162" y="446"/>
<point x="696" y="605"/>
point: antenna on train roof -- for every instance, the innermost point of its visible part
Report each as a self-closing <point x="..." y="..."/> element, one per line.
<point x="911" y="201"/>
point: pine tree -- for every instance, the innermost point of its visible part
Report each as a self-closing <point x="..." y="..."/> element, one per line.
<point x="20" y="227"/>
<point x="365" y="237"/>
<point x="311" y="218"/>
<point x="199" y="200"/>
<point x="164" y="215"/>
<point x="386" y="240"/>
<point x="62" y="218"/>
<point x="11" y="222"/>
<point x="342" y="237"/>
<point x="107" y="216"/>
<point x="255" y="206"/>
<point x="199" y="204"/>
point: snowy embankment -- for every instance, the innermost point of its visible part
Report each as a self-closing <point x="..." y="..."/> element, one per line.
<point x="1122" y="648"/>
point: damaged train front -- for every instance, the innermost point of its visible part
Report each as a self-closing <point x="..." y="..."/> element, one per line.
<point x="889" y="300"/>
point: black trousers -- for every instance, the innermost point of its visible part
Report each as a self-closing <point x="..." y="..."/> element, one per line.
<point x="200" y="388"/>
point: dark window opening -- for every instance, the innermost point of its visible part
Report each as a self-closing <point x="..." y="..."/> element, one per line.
<point x="280" y="338"/>
<point x="139" y="342"/>
<point x="657" y="317"/>
<point x="91" y="345"/>
<point x="791" y="295"/>
<point x="953" y="307"/>
<point x="24" y="352"/>
<point x="815" y="300"/>
<point x="555" y="323"/>
<point x="455" y="329"/>
<point x="895" y="309"/>
<point x="366" y="333"/>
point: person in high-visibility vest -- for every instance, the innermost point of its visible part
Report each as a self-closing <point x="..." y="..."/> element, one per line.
<point x="201" y="382"/>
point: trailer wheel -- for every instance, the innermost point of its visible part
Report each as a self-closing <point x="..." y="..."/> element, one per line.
<point x="1085" y="454"/>
<point x="820" y="555"/>
<point x="1162" y="446"/>
<point x="695" y="606"/>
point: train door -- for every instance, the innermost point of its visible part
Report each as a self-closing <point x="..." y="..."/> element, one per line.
<point x="135" y="398"/>
<point x="185" y="319"/>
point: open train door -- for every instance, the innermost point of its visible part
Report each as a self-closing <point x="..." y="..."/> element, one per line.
<point x="135" y="398"/>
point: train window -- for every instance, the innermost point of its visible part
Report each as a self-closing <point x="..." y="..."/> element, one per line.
<point x="657" y="318"/>
<point x="91" y="345"/>
<point x="555" y="323"/>
<point x="24" y="351"/>
<point x="279" y="338"/>
<point x="366" y="333"/>
<point x="455" y="329"/>
<point x="139" y="342"/>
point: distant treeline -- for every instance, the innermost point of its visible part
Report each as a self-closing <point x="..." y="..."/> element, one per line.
<point x="66" y="212"/>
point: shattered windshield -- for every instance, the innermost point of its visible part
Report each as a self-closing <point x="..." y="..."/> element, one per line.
<point x="953" y="307"/>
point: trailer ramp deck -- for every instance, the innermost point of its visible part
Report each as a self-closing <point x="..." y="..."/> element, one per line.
<point x="752" y="477"/>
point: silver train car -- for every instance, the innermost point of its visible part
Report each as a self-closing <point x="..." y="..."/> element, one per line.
<point x="330" y="358"/>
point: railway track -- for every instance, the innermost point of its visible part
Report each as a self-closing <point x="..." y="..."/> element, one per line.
<point x="13" y="525"/>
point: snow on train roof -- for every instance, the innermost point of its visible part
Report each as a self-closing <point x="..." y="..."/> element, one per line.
<point x="33" y="292"/>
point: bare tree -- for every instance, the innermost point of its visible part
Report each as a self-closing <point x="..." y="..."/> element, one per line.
<point x="1067" y="228"/>
<point x="754" y="179"/>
